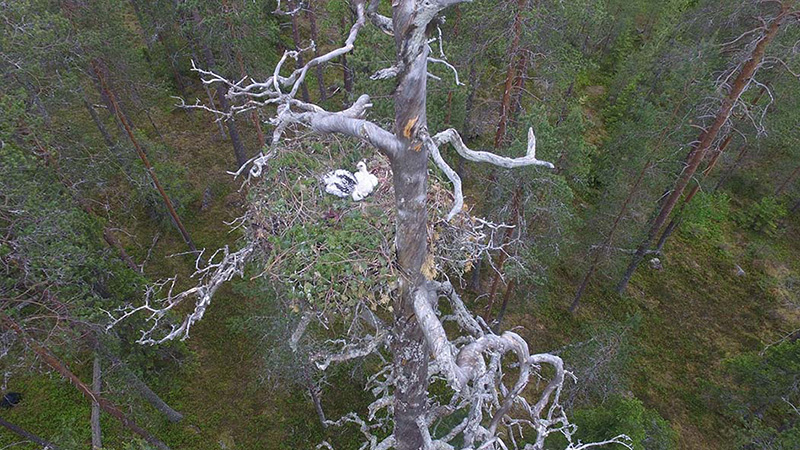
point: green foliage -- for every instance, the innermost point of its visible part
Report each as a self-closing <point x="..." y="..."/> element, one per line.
<point x="763" y="216"/>
<point x="762" y="395"/>
<point x="706" y="216"/>
<point x="625" y="415"/>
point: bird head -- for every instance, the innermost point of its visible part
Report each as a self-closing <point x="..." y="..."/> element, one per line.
<point x="362" y="166"/>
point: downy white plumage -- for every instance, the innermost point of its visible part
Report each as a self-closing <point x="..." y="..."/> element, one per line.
<point x="342" y="183"/>
<point x="365" y="182"/>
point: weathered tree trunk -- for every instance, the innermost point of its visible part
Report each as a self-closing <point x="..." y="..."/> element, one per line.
<point x="706" y="139"/>
<point x="146" y="162"/>
<point x="99" y="124"/>
<point x="97" y="386"/>
<point x="410" y="178"/>
<point x="137" y="384"/>
<point x="313" y="391"/>
<point x="28" y="435"/>
<point x="501" y="314"/>
<point x="49" y="359"/>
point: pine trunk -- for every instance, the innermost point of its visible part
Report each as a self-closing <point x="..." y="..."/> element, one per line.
<point x="706" y="139"/>
<point x="410" y="178"/>
<point x="167" y="201"/>
<point x="505" y="103"/>
<point x="233" y="131"/>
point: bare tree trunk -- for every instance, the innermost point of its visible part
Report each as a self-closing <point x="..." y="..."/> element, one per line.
<point x="300" y="60"/>
<point x="410" y="178"/>
<point x="347" y="75"/>
<point x="510" y="75"/>
<point x="146" y="162"/>
<point x="99" y="123"/>
<point x="49" y="359"/>
<point x="97" y="386"/>
<point x="137" y="384"/>
<point x="705" y="141"/>
<point x="320" y="69"/>
<point x="313" y="391"/>
<point x="233" y="131"/>
<point x="502" y="313"/>
<point x="28" y="435"/>
<point x="676" y="220"/>
<point x="622" y="211"/>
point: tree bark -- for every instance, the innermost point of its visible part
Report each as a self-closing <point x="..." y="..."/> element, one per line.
<point x="97" y="386"/>
<point x="410" y="177"/>
<point x="505" y="103"/>
<point x="99" y="124"/>
<point x="28" y="435"/>
<point x="107" y="406"/>
<point x="706" y="139"/>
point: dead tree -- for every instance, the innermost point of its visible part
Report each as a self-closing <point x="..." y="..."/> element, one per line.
<point x="472" y="363"/>
<point x="97" y="386"/>
<point x="143" y="157"/>
<point x="48" y="358"/>
<point x="28" y="435"/>
<point x="707" y="137"/>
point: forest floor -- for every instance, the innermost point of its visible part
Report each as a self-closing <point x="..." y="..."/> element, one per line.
<point x="692" y="315"/>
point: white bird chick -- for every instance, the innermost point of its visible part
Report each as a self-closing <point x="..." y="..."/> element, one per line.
<point x="365" y="182"/>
